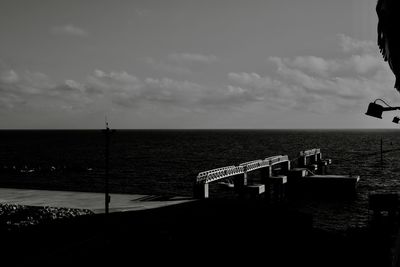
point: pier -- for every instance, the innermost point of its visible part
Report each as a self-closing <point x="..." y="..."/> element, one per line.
<point x="276" y="172"/>
<point x="240" y="173"/>
<point x="312" y="160"/>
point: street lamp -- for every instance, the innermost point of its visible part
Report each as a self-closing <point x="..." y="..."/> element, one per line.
<point x="107" y="133"/>
<point x="376" y="110"/>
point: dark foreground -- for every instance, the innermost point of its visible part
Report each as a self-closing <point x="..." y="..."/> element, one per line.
<point x="201" y="232"/>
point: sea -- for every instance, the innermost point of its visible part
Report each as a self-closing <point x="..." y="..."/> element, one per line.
<point x="166" y="162"/>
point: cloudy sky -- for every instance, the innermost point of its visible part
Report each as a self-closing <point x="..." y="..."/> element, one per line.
<point x="67" y="64"/>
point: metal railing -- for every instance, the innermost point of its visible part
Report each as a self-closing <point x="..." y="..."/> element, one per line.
<point x="225" y="172"/>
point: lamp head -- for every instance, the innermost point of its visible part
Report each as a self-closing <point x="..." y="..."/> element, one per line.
<point x="374" y="110"/>
<point x="396" y="119"/>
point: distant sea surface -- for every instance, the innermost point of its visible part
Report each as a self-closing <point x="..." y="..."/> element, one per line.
<point x="167" y="161"/>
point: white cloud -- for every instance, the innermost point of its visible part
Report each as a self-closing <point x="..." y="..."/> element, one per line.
<point x="349" y="66"/>
<point x="323" y="84"/>
<point x="332" y="83"/>
<point x="253" y="79"/>
<point x="8" y="76"/>
<point x="69" y="29"/>
<point x="350" y="44"/>
<point x="36" y="90"/>
<point x="129" y="91"/>
<point x="316" y="65"/>
<point x="306" y="83"/>
<point x="179" y="92"/>
<point x="114" y="81"/>
<point x="365" y="63"/>
<point x="74" y="85"/>
<point x="121" y="77"/>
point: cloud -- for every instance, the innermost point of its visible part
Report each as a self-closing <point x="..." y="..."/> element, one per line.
<point x="36" y="90"/>
<point x="18" y="88"/>
<point x="320" y="84"/>
<point x="358" y="71"/>
<point x="130" y="91"/>
<point x="69" y="29"/>
<point x="117" y="82"/>
<point x="350" y="44"/>
<point x="313" y="64"/>
<point x="302" y="83"/>
<point x="70" y="87"/>
<point x="9" y="76"/>
<point x="253" y="80"/>
<point x="120" y="90"/>
<point x="265" y="89"/>
<point x="357" y="64"/>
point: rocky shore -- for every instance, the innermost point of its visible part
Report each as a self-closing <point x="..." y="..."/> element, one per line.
<point x="14" y="217"/>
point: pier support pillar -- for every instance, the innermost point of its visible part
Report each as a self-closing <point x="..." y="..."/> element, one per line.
<point x="278" y="188"/>
<point x="240" y="182"/>
<point x="266" y="173"/>
<point x="322" y="165"/>
<point x="201" y="191"/>
<point x="285" y="167"/>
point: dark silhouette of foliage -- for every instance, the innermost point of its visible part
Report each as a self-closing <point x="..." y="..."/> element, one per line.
<point x="388" y="35"/>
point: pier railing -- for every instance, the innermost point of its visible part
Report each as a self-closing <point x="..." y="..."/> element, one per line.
<point x="310" y="152"/>
<point x="218" y="174"/>
<point x="229" y="171"/>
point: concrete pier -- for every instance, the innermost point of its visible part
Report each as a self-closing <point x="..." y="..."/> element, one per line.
<point x="255" y="190"/>
<point x="312" y="159"/>
<point x="240" y="183"/>
<point x="276" y="175"/>
<point x="278" y="187"/>
<point x="302" y="181"/>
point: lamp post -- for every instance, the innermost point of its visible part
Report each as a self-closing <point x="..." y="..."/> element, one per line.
<point x="375" y="110"/>
<point x="107" y="160"/>
<point x="107" y="132"/>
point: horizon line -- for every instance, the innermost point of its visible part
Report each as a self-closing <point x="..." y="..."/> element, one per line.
<point x="185" y="129"/>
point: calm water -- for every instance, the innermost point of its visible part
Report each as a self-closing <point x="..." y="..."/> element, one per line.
<point x="167" y="162"/>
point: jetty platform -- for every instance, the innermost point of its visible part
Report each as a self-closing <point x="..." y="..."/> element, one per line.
<point x="273" y="176"/>
<point x="87" y="200"/>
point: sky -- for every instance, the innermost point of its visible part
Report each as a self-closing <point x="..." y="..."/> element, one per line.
<point x="184" y="64"/>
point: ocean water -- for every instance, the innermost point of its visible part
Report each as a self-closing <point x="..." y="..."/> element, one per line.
<point x="167" y="162"/>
